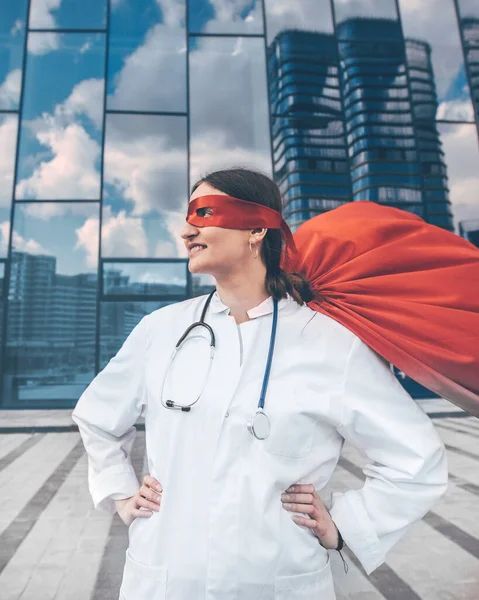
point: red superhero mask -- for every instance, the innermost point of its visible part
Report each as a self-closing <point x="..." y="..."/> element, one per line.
<point x="233" y="213"/>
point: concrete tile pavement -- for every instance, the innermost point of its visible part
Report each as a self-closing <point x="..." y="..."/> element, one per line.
<point x="55" y="546"/>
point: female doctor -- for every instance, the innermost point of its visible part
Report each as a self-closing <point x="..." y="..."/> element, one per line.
<point x="237" y="513"/>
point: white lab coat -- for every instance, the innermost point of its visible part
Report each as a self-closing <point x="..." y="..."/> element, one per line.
<point x="221" y="532"/>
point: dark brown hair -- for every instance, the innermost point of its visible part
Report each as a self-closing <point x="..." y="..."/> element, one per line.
<point x="256" y="187"/>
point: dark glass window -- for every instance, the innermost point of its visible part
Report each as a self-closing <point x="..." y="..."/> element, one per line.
<point x="145" y="186"/>
<point x="61" y="130"/>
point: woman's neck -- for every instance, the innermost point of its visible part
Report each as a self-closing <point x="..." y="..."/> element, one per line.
<point x="240" y="294"/>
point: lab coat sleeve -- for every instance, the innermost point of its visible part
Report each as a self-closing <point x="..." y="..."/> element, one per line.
<point x="105" y="414"/>
<point x="407" y="472"/>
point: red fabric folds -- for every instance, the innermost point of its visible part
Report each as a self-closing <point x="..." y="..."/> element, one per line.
<point x="408" y="289"/>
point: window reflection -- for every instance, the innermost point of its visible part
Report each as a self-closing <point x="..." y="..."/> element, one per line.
<point x="61" y="131"/>
<point x="51" y="302"/>
<point x="68" y="14"/>
<point x="12" y="35"/>
<point x="224" y="16"/>
<point x="460" y="146"/>
<point x="145" y="186"/>
<point x="147" y="56"/>
<point x="145" y="279"/>
<point x="298" y="15"/>
<point x="469" y="24"/>
<point x="8" y="142"/>
<point x="381" y="9"/>
<point x="434" y="22"/>
<point x="229" y="115"/>
<point x="117" y="320"/>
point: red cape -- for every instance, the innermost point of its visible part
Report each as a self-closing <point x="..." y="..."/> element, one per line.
<point x="408" y="289"/>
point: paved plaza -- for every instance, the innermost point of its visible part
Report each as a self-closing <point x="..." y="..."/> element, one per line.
<point x="54" y="545"/>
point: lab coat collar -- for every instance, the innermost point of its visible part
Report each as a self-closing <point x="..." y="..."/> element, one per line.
<point x="265" y="308"/>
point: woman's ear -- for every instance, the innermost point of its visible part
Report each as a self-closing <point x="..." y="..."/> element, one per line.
<point x="258" y="234"/>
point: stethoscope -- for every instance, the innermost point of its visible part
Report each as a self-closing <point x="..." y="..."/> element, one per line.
<point x="259" y="424"/>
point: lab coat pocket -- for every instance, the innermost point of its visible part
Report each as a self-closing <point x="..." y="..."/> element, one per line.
<point x="318" y="584"/>
<point x="142" y="581"/>
<point x="293" y="421"/>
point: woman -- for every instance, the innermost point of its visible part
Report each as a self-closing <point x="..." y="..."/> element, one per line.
<point x="238" y="515"/>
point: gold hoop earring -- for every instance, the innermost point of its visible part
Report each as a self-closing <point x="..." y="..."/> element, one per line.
<point x="251" y="250"/>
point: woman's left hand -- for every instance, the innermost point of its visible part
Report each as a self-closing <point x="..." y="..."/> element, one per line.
<point x="302" y="498"/>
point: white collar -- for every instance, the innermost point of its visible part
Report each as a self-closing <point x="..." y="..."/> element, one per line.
<point x="265" y="308"/>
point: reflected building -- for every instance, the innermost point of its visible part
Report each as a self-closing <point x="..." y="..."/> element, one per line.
<point x="52" y="320"/>
<point x="470" y="230"/>
<point x="470" y="33"/>
<point x="353" y="118"/>
<point x="310" y="160"/>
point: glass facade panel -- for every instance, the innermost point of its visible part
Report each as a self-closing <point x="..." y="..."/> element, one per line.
<point x="61" y="129"/>
<point x="117" y="320"/>
<point x="228" y="115"/>
<point x="461" y="154"/>
<point x="147" y="56"/>
<point x="68" y="14"/>
<point x="12" y="38"/>
<point x="469" y="25"/>
<point x="8" y="144"/>
<point x="145" y="279"/>
<point x="51" y="303"/>
<point x="372" y="9"/>
<point x="299" y="15"/>
<point x="434" y="24"/>
<point x="339" y="100"/>
<point x="224" y="16"/>
<point x="145" y="186"/>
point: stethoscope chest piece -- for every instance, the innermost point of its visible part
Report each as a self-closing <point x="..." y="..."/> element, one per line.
<point x="259" y="425"/>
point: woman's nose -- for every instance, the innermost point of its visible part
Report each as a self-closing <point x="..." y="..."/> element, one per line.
<point x="189" y="231"/>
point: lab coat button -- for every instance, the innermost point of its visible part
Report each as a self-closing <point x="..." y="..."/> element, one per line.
<point x="227" y="414"/>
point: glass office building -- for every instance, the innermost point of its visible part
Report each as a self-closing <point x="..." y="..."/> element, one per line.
<point x="111" y="109"/>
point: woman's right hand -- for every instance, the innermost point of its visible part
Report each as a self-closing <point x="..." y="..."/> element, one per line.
<point x="148" y="497"/>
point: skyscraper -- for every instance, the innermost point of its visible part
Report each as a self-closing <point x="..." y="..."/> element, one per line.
<point x="372" y="97"/>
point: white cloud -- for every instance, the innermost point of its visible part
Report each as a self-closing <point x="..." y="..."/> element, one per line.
<point x="17" y="27"/>
<point x="153" y="76"/>
<point x="455" y="110"/>
<point x="229" y="17"/>
<point x="71" y="173"/>
<point x="41" y="13"/>
<point x="86" y="98"/>
<point x="462" y="157"/>
<point x="230" y="126"/>
<point x="146" y="166"/>
<point x="42" y="43"/>
<point x="173" y="12"/>
<point x="10" y="90"/>
<point x="312" y="15"/>
<point x="19" y="243"/>
<point x="379" y="9"/>
<point x="8" y="140"/>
